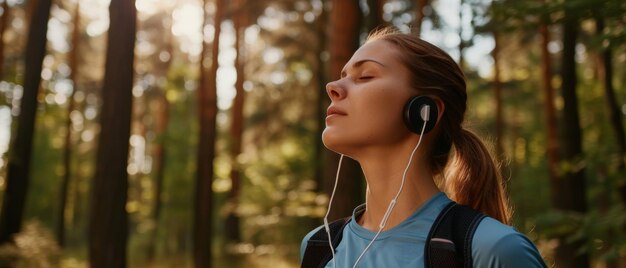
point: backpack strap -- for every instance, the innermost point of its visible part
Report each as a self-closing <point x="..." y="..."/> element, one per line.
<point x="449" y="242"/>
<point x="317" y="253"/>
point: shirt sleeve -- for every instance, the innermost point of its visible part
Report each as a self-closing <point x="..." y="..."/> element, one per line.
<point x="496" y="245"/>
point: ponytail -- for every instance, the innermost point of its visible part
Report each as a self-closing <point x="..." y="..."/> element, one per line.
<point x="473" y="178"/>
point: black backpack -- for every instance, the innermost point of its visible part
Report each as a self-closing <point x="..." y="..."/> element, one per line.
<point x="449" y="242"/>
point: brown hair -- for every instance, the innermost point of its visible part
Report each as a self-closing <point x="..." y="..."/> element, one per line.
<point x="471" y="176"/>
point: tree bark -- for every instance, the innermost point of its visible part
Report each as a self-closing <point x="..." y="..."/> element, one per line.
<point x="207" y="108"/>
<point x="322" y="101"/>
<point x="67" y="150"/>
<point x="375" y="16"/>
<point x="160" y="154"/>
<point x="552" y="150"/>
<point x="615" y="114"/>
<point x="233" y="233"/>
<point x="18" y="170"/>
<point x="3" y="26"/>
<point x="108" y="220"/>
<point x="605" y="71"/>
<point x="162" y="119"/>
<point x="462" y="43"/>
<point x="344" y="40"/>
<point x="497" y="93"/>
<point x="419" y="17"/>
<point x="572" y="193"/>
<point x="571" y="199"/>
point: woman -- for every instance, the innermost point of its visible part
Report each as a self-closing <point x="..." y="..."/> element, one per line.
<point x="407" y="161"/>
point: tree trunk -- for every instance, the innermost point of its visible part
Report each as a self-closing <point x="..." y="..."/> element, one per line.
<point x="160" y="129"/>
<point x="18" y="169"/>
<point x="497" y="92"/>
<point x="462" y="43"/>
<point x="375" y="16"/>
<point x="207" y="108"/>
<point x="605" y="69"/>
<point x="419" y="16"/>
<point x="572" y="193"/>
<point x="233" y="233"/>
<point x="322" y="100"/>
<point x="552" y="150"/>
<point x="161" y="123"/>
<point x="344" y="40"/>
<point x="108" y="220"/>
<point x="615" y="114"/>
<point x="67" y="151"/>
<point x="3" y="26"/>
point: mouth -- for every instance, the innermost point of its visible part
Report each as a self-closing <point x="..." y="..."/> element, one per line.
<point x="331" y="111"/>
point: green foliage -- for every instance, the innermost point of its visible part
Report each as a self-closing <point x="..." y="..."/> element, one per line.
<point x="43" y="195"/>
<point x="601" y="232"/>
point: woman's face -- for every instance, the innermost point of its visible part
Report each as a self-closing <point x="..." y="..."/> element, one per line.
<point x="368" y="100"/>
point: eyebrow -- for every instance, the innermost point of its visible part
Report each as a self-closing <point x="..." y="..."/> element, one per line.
<point x="361" y="62"/>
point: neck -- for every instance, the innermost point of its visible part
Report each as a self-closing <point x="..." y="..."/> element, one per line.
<point x="383" y="173"/>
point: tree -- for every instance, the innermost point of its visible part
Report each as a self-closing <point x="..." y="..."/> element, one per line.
<point x="4" y="20"/>
<point x="323" y="101"/>
<point x="233" y="233"/>
<point x="344" y="40"/>
<point x="375" y="16"/>
<point x="572" y="193"/>
<point x="615" y="114"/>
<point x="497" y="93"/>
<point x="108" y="220"/>
<point x="161" y="123"/>
<point x="207" y="109"/>
<point x="550" y="120"/>
<point x="67" y="152"/>
<point x="462" y="43"/>
<point x="419" y="16"/>
<point x="20" y="157"/>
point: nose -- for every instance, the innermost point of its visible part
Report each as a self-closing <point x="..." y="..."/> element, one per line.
<point x="335" y="91"/>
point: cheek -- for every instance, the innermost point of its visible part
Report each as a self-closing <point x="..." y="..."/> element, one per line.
<point x="382" y="116"/>
<point x="384" y="109"/>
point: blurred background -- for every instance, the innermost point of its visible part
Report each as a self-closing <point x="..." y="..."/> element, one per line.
<point x="186" y="133"/>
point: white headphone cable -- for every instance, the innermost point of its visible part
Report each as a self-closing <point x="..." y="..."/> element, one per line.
<point x="425" y="116"/>
<point x="392" y="204"/>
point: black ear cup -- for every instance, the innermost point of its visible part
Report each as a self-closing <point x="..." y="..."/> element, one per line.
<point x="412" y="114"/>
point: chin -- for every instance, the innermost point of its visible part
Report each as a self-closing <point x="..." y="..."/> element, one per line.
<point x="330" y="139"/>
<point x="335" y="143"/>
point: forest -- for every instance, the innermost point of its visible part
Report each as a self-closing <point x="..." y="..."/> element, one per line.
<point x="187" y="133"/>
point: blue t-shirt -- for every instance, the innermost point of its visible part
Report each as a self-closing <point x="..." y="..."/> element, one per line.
<point x="494" y="244"/>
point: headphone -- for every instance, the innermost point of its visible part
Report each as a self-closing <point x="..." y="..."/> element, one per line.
<point x="417" y="112"/>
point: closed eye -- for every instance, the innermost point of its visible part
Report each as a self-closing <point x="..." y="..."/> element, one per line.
<point x="365" y="78"/>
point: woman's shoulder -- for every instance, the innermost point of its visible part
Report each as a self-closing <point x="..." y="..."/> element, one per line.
<point x="498" y="245"/>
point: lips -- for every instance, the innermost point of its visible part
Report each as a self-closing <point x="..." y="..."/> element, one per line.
<point x="334" y="111"/>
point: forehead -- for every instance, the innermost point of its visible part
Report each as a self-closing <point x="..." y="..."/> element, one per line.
<point x="378" y="50"/>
